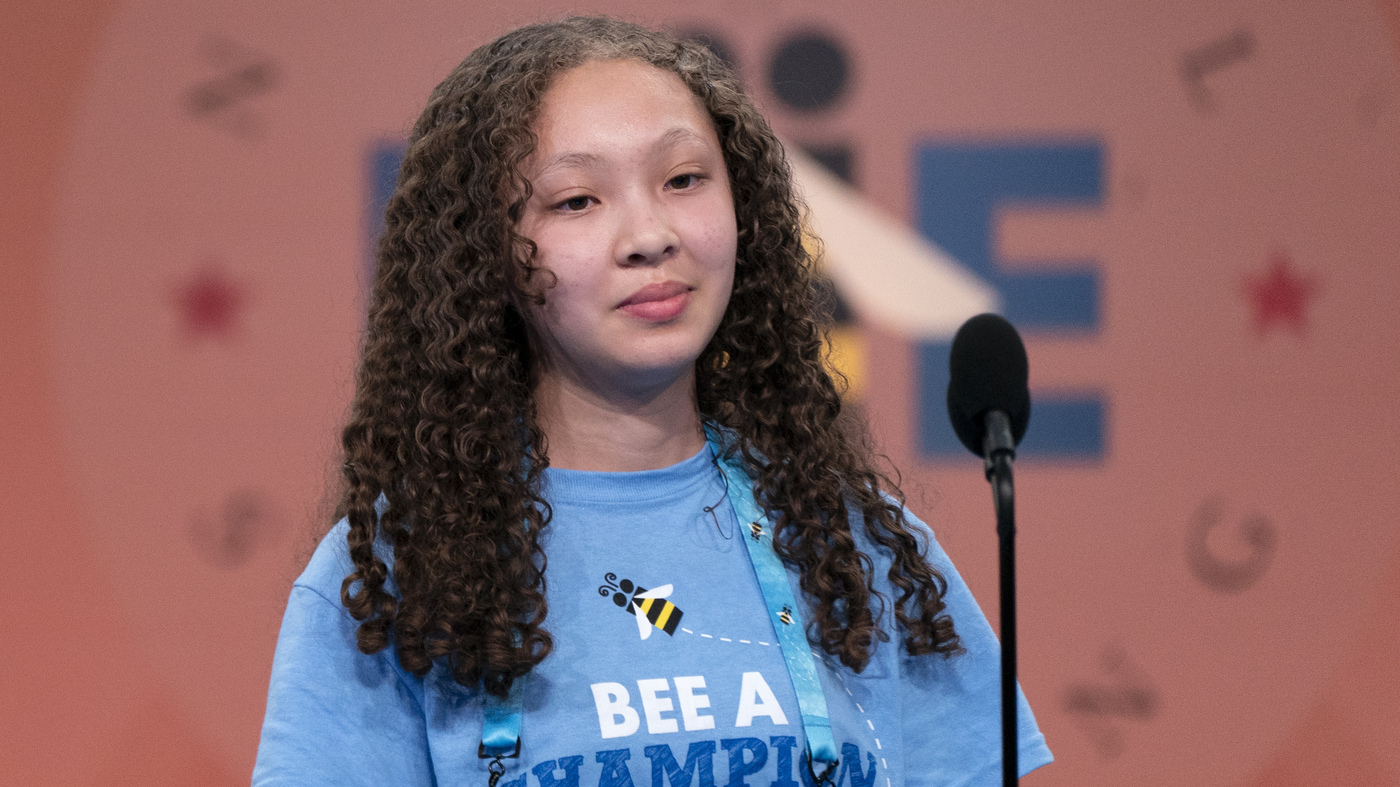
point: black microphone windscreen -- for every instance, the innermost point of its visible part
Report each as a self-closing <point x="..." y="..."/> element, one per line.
<point x="988" y="370"/>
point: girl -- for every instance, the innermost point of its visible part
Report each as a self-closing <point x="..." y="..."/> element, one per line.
<point x="593" y="346"/>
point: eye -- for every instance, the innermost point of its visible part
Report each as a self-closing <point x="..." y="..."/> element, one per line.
<point x="688" y="180"/>
<point x="574" y="204"/>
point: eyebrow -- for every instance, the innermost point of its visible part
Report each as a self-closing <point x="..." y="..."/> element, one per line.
<point x="580" y="160"/>
<point x="570" y="161"/>
<point x="678" y="135"/>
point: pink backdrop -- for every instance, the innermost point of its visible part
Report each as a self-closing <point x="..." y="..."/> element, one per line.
<point x="1210" y="600"/>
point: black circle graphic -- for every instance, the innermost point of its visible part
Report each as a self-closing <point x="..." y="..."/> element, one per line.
<point x="809" y="72"/>
<point x="619" y="599"/>
<point x="626" y="585"/>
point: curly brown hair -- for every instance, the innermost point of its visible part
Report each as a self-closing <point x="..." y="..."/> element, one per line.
<point x="444" y="423"/>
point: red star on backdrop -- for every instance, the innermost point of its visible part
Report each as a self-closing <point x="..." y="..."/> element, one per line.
<point x="210" y="304"/>
<point x="1280" y="295"/>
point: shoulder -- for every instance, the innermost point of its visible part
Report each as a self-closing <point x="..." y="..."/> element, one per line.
<point x="929" y="548"/>
<point x="331" y="564"/>
<point x="336" y="715"/>
<point x="927" y="543"/>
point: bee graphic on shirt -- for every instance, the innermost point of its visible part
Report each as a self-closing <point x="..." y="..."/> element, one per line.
<point x="650" y="607"/>
<point x="756" y="530"/>
<point x="785" y="615"/>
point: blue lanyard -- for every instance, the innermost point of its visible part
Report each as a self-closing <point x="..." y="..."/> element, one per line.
<point x="500" y="736"/>
<point x="757" y="530"/>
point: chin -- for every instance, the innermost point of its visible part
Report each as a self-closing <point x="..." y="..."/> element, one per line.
<point x="661" y="367"/>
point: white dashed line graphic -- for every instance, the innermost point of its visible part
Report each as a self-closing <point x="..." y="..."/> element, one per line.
<point x="883" y="762"/>
<point x="727" y="639"/>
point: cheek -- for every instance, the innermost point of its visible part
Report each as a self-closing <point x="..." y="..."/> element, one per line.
<point x="728" y="236"/>
<point x="721" y="247"/>
<point x="718" y="236"/>
<point x="564" y="276"/>
<point x="575" y="304"/>
<point x="577" y="254"/>
<point x="560" y="303"/>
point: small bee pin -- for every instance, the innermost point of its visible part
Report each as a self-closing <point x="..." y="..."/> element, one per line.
<point x="649" y="606"/>
<point x="785" y="615"/>
<point x="756" y="530"/>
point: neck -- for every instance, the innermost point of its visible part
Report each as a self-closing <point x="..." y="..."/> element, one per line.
<point x="619" y="431"/>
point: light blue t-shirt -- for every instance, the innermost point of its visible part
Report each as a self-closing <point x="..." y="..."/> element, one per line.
<point x="665" y="670"/>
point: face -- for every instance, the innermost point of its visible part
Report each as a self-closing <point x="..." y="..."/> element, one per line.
<point x="632" y="214"/>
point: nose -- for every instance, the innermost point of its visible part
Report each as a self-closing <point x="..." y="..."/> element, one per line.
<point x="647" y="235"/>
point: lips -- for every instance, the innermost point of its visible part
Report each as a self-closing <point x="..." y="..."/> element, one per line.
<point x="657" y="302"/>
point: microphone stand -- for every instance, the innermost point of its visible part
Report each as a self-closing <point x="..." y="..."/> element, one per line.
<point x="999" y="449"/>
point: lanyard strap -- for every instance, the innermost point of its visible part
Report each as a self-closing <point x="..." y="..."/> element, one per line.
<point x="500" y="730"/>
<point x="500" y="733"/>
<point x="757" y="530"/>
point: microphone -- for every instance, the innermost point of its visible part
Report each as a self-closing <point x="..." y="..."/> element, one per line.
<point x="989" y="400"/>
<point x="989" y="403"/>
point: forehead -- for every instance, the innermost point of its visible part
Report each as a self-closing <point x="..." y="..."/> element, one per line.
<point x="607" y="106"/>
